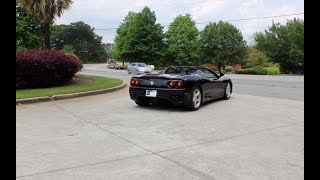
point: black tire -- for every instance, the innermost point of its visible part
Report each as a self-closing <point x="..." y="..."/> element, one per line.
<point x="226" y="95"/>
<point x="192" y="106"/>
<point x="142" y="103"/>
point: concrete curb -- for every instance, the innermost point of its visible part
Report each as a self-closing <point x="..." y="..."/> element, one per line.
<point x="67" y="96"/>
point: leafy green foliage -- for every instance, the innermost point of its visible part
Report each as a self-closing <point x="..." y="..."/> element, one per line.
<point x="83" y="41"/>
<point x="28" y="30"/>
<point x="260" y="70"/>
<point x="284" y="44"/>
<point x="222" y="43"/>
<point x="255" y="57"/>
<point x="229" y="68"/>
<point x="271" y="64"/>
<point x="182" y="41"/>
<point x="140" y="38"/>
<point x="254" y="70"/>
<point x="214" y="69"/>
<point x="272" y="70"/>
<point x="47" y="11"/>
<point x="122" y="35"/>
<point x="110" y="51"/>
<point x="68" y="49"/>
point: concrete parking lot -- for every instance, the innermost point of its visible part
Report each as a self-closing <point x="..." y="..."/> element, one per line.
<point x="108" y="136"/>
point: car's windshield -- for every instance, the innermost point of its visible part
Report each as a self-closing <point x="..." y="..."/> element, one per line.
<point x="142" y="65"/>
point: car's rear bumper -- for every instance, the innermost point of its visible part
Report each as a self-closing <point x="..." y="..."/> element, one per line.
<point x="178" y="97"/>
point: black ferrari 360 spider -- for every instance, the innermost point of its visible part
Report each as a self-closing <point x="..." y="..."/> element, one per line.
<point x="187" y="86"/>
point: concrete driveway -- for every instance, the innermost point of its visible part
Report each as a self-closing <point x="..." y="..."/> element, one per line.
<point x="108" y="136"/>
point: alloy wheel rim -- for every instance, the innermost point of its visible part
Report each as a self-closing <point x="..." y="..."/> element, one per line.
<point x="196" y="98"/>
<point x="228" y="90"/>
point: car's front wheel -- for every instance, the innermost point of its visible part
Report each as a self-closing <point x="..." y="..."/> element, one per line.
<point x="195" y="99"/>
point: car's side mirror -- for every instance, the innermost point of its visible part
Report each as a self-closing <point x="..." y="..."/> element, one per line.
<point x="221" y="74"/>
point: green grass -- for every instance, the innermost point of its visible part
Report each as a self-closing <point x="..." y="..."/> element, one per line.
<point x="97" y="83"/>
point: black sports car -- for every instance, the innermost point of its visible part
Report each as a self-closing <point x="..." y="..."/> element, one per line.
<point x="187" y="86"/>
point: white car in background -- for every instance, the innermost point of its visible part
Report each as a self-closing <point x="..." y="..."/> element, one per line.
<point x="151" y="66"/>
<point x="138" y="68"/>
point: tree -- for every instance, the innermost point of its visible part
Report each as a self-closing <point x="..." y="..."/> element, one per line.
<point x="284" y="44"/>
<point x="28" y="30"/>
<point x="110" y="50"/>
<point x="182" y="41"/>
<point x="81" y="37"/>
<point x="68" y="49"/>
<point x="122" y="36"/>
<point x="140" y="38"/>
<point x="47" y="11"/>
<point x="221" y="44"/>
<point x="255" y="57"/>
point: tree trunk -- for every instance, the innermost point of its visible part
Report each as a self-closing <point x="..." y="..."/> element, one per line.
<point x="46" y="35"/>
<point x="219" y="67"/>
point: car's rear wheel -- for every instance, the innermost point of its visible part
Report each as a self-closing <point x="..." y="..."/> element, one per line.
<point x="195" y="99"/>
<point x="227" y="92"/>
<point x="142" y="103"/>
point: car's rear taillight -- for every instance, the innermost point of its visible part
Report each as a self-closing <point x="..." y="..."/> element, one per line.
<point x="132" y="82"/>
<point x="177" y="84"/>
<point x="135" y="82"/>
<point x="171" y="84"/>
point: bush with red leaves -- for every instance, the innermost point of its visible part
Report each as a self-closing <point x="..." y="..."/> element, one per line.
<point x="45" y="68"/>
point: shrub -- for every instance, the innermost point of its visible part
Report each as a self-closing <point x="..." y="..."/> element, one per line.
<point x="246" y="71"/>
<point x="160" y="68"/>
<point x="255" y="57"/>
<point x="45" y="68"/>
<point x="68" y="49"/>
<point x="214" y="69"/>
<point x="255" y="70"/>
<point x="259" y="70"/>
<point x="228" y="68"/>
<point x="272" y="70"/>
<point x="209" y="65"/>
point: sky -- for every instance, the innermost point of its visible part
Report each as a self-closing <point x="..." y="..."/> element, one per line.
<point x="108" y="14"/>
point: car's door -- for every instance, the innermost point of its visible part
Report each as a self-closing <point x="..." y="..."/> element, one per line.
<point x="214" y="87"/>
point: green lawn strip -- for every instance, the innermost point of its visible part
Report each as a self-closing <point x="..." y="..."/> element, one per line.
<point x="97" y="83"/>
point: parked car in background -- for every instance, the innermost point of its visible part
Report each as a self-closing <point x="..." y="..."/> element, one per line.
<point x="138" y="68"/>
<point x="151" y="66"/>
<point x="111" y="65"/>
<point x="116" y="66"/>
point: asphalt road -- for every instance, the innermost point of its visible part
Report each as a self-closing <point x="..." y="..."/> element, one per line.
<point x="286" y="87"/>
<point x="107" y="136"/>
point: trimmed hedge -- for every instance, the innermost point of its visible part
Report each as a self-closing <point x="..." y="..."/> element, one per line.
<point x="254" y="70"/>
<point x="272" y="70"/>
<point x="228" y="68"/>
<point x="260" y="70"/>
<point x="214" y="69"/>
<point x="45" y="68"/>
